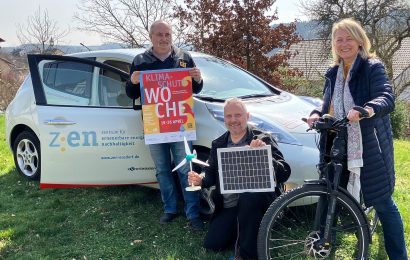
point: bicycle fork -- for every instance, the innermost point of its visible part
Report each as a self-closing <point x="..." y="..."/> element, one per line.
<point x="326" y="210"/>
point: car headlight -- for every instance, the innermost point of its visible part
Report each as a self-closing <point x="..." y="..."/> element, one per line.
<point x="279" y="134"/>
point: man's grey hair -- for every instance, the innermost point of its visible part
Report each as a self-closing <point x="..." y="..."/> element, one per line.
<point x="152" y="27"/>
<point x="235" y="100"/>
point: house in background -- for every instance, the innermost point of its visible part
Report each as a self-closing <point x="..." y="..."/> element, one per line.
<point x="401" y="69"/>
<point x="313" y="60"/>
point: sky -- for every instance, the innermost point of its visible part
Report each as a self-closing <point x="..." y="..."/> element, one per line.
<point x="14" y="12"/>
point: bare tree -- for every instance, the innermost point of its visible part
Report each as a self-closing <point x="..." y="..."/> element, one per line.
<point x="125" y="21"/>
<point x="12" y="73"/>
<point x="402" y="81"/>
<point x="239" y="31"/>
<point x="387" y="22"/>
<point x="41" y="33"/>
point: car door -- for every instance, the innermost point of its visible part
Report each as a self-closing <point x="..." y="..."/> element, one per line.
<point x="89" y="132"/>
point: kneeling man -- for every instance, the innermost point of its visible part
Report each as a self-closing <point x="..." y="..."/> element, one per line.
<point x="237" y="217"/>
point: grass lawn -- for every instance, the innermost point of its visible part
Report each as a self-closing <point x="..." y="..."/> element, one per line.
<point x="117" y="222"/>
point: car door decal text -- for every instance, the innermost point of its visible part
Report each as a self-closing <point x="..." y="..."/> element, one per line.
<point x="74" y="139"/>
<point x="107" y="138"/>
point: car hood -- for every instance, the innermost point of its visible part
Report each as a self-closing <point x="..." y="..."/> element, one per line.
<point x="285" y="110"/>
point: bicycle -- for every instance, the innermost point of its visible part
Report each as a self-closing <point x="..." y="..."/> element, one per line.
<point x="319" y="219"/>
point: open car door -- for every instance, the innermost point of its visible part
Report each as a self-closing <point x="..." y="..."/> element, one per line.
<point x="89" y="132"/>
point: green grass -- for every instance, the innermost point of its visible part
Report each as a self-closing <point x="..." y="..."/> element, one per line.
<point x="88" y="223"/>
<point x="401" y="196"/>
<point x="117" y="222"/>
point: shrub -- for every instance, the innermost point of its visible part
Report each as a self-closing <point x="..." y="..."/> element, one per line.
<point x="400" y="120"/>
<point x="294" y="82"/>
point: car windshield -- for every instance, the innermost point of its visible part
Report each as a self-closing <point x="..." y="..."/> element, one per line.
<point x="223" y="80"/>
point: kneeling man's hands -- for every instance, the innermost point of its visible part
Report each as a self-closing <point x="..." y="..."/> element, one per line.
<point x="257" y="143"/>
<point x="194" y="178"/>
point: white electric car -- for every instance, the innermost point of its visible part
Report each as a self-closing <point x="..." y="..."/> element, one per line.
<point x="72" y="124"/>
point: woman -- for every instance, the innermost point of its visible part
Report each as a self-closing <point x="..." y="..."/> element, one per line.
<point x="358" y="78"/>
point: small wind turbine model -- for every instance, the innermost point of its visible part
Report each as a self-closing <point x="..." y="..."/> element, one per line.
<point x="190" y="157"/>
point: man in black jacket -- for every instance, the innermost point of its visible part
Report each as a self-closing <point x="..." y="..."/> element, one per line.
<point x="237" y="216"/>
<point x="162" y="55"/>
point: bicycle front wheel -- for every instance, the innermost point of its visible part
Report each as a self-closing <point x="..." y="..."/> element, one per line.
<point x="288" y="231"/>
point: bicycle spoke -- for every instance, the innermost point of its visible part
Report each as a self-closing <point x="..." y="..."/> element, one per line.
<point x="290" y="233"/>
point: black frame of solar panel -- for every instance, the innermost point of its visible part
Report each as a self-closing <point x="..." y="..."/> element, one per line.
<point x="245" y="169"/>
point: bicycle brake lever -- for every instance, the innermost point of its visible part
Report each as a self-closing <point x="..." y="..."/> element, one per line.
<point x="304" y="119"/>
<point x="363" y="112"/>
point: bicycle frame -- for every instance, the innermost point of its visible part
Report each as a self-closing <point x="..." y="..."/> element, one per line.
<point x="337" y="155"/>
<point x="320" y="219"/>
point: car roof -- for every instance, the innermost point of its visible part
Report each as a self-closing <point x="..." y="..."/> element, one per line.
<point x="126" y="52"/>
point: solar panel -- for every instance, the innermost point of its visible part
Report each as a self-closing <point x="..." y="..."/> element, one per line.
<point x="245" y="169"/>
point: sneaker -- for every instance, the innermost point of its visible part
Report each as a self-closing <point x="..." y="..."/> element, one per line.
<point x="167" y="217"/>
<point x="197" y="224"/>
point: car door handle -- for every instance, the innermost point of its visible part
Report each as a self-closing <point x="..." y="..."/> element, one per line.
<point x="59" y="122"/>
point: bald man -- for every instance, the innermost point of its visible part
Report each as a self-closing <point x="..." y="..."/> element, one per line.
<point x="237" y="216"/>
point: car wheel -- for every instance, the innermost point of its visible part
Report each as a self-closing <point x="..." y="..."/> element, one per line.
<point x="26" y="151"/>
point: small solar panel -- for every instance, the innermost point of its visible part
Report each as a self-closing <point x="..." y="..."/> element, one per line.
<point x="245" y="169"/>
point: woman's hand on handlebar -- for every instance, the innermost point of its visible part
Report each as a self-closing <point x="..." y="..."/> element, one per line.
<point x="354" y="116"/>
<point x="357" y="113"/>
<point x="313" y="118"/>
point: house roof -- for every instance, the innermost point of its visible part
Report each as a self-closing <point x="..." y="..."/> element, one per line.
<point x="401" y="58"/>
<point x="311" y="58"/>
<point x="314" y="60"/>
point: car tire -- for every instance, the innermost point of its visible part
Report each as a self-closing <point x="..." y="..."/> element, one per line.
<point x="27" y="156"/>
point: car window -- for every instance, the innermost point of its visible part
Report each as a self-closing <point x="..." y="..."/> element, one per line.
<point x="223" y="80"/>
<point x="112" y="90"/>
<point x="121" y="65"/>
<point x="68" y="78"/>
<point x="74" y="83"/>
<point x="66" y="82"/>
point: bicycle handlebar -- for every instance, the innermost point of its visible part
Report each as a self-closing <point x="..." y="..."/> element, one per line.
<point x="327" y="121"/>
<point x="363" y="112"/>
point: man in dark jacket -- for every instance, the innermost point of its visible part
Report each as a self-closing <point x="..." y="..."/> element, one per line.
<point x="163" y="55"/>
<point x="237" y="216"/>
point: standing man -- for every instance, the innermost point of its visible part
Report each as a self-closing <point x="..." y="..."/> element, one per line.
<point x="237" y="216"/>
<point x="162" y="55"/>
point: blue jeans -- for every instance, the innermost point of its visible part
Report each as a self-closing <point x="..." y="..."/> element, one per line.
<point x="161" y="155"/>
<point x="393" y="230"/>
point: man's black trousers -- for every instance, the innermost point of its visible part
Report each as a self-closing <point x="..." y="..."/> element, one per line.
<point x="245" y="218"/>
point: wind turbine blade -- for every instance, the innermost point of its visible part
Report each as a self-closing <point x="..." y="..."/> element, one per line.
<point x="199" y="162"/>
<point x="187" y="150"/>
<point x="179" y="165"/>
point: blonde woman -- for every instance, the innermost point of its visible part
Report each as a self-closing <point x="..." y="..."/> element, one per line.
<point x="358" y="78"/>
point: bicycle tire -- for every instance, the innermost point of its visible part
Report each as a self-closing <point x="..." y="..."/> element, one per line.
<point x="283" y="225"/>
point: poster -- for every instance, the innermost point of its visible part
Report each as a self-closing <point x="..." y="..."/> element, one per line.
<point x="167" y="106"/>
